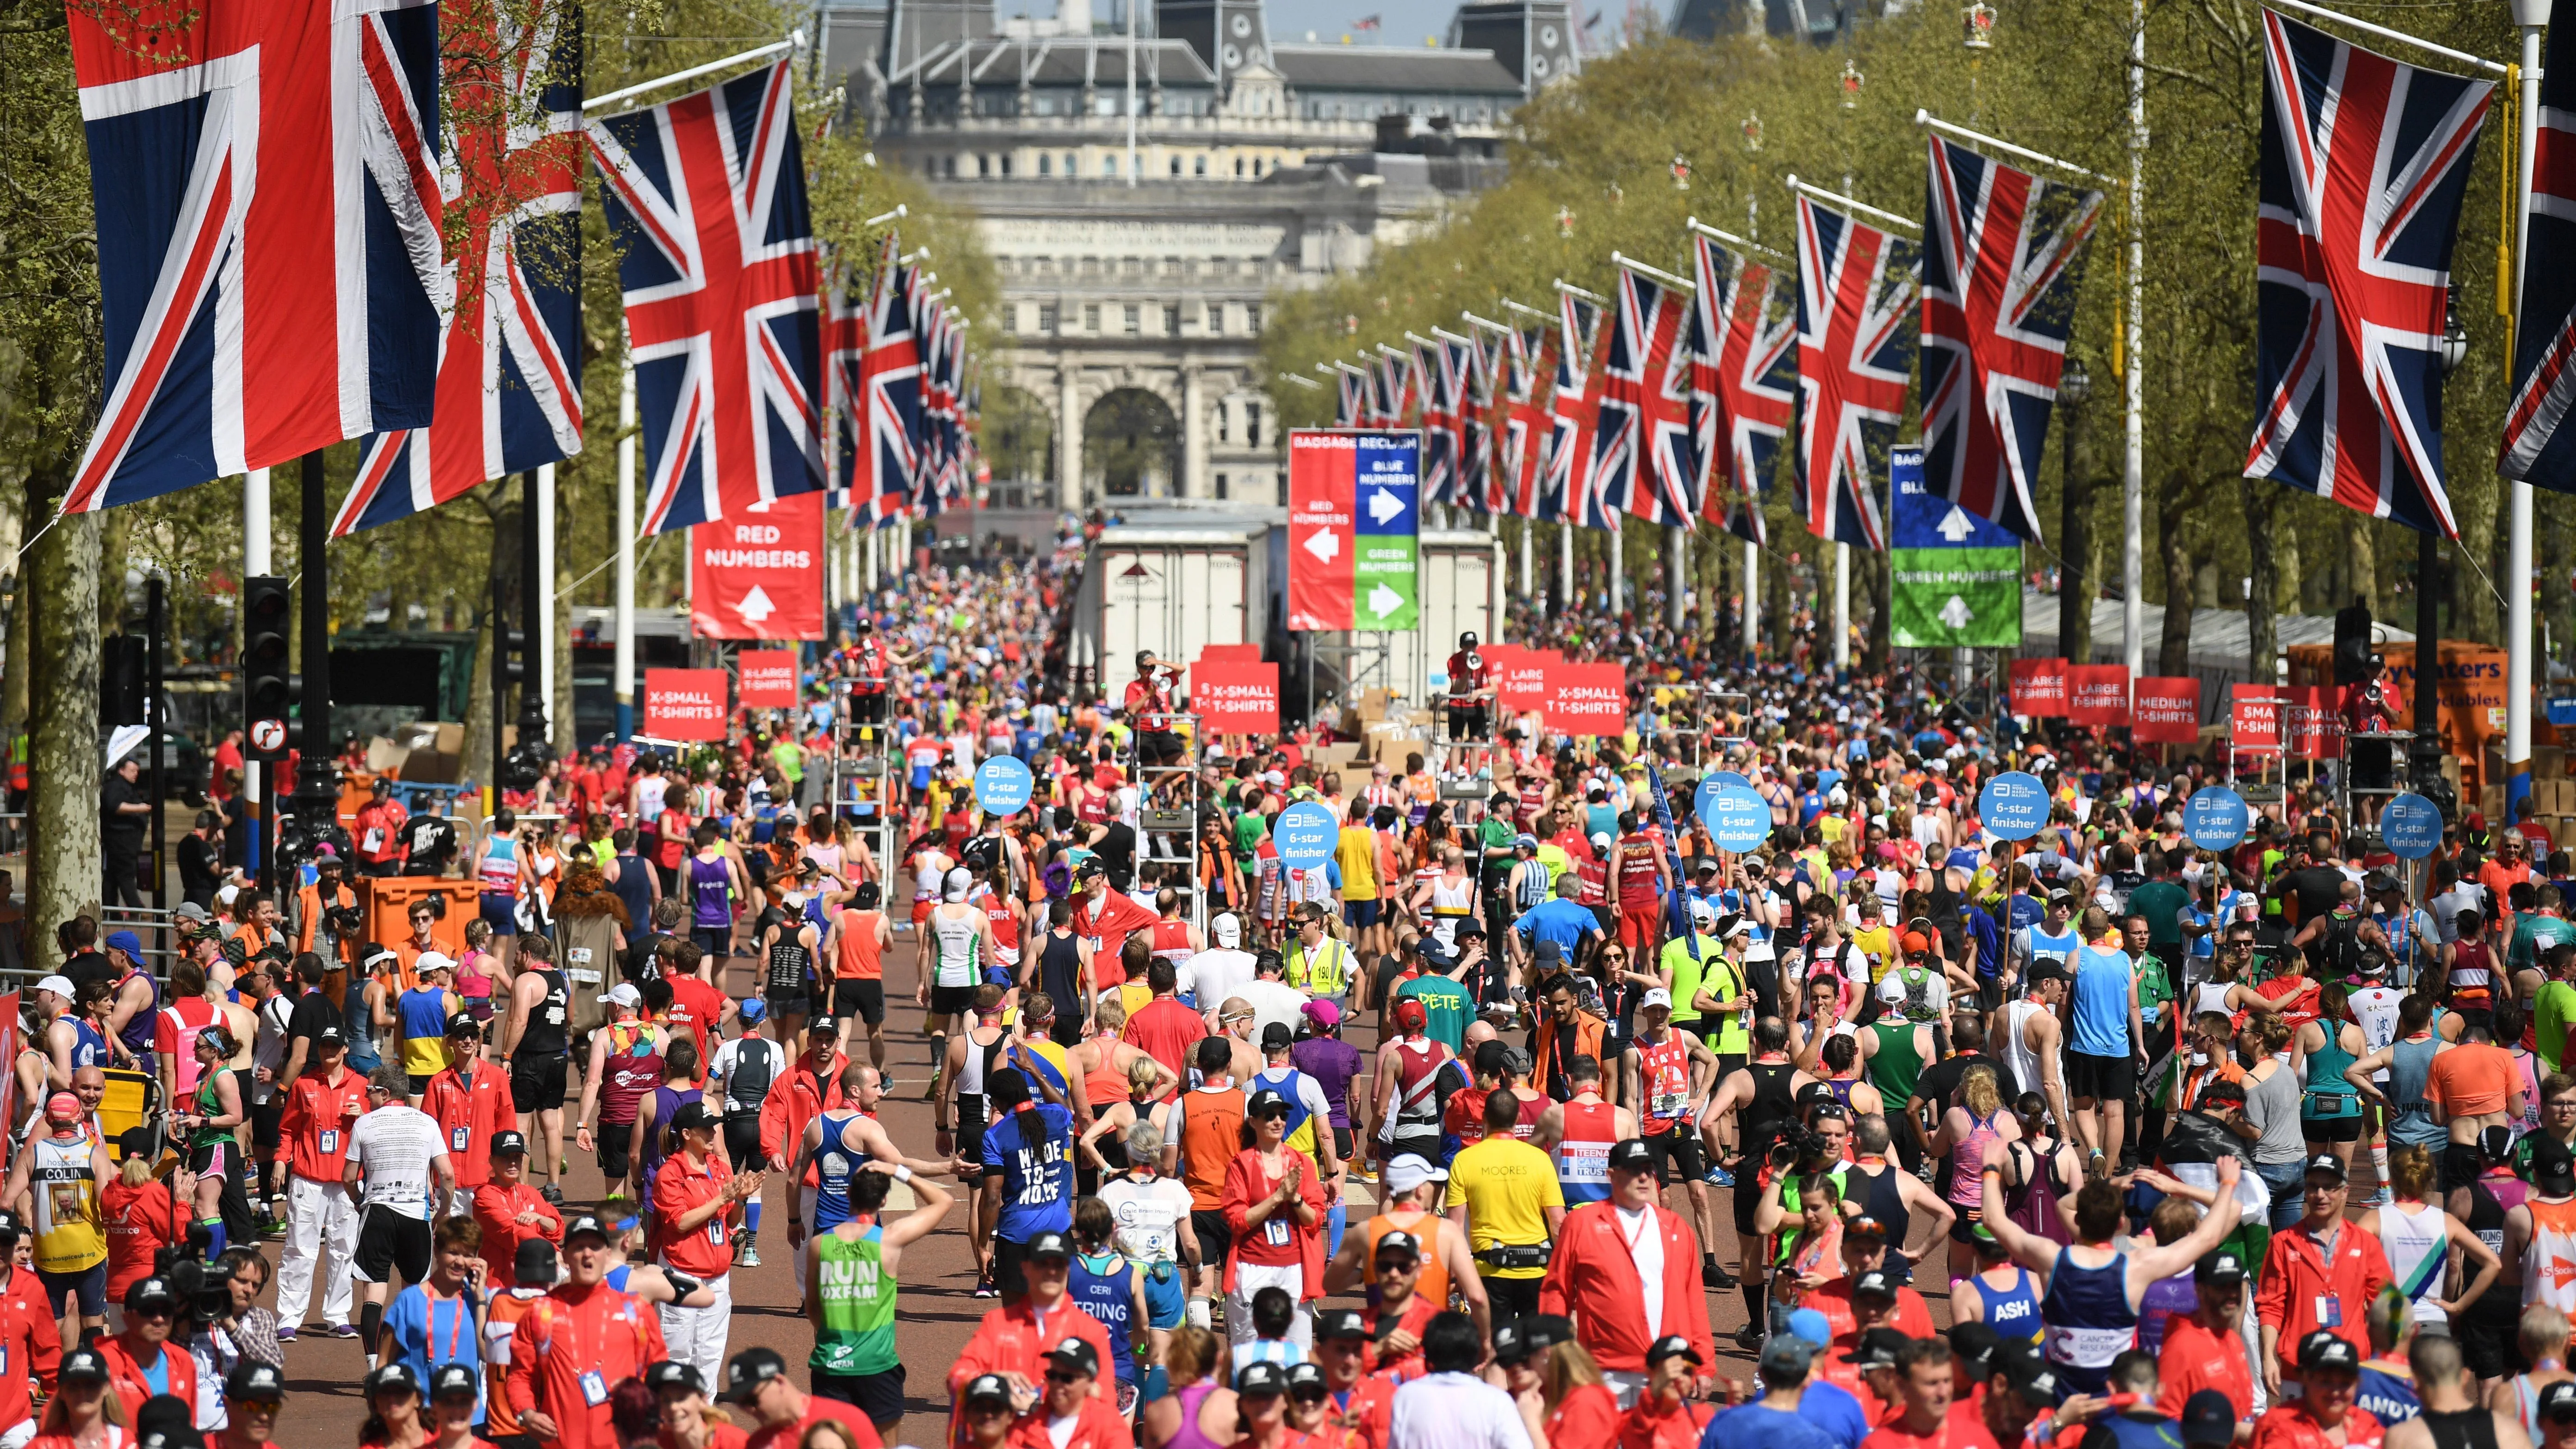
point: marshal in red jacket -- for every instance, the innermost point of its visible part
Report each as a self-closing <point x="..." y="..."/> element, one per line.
<point x="1593" y="1280"/>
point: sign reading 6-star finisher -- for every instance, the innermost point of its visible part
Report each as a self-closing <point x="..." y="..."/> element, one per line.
<point x="1354" y="527"/>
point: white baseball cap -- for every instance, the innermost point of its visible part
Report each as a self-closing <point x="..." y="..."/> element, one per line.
<point x="1412" y="1170"/>
<point x="59" y="985"/>
<point x="625" y="994"/>
<point x="441" y="961"/>
<point x="1227" y="929"/>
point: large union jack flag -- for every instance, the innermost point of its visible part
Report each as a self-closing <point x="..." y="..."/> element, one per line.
<point x="2003" y="255"/>
<point x="706" y="198"/>
<point x="509" y="365"/>
<point x="1744" y="383"/>
<point x="1645" y="464"/>
<point x="1855" y="350"/>
<point x="1521" y="425"/>
<point x="2363" y="164"/>
<point x="265" y="176"/>
<point x="1350" y="396"/>
<point x="1439" y="374"/>
<point x="2544" y="342"/>
<point x="1571" y="492"/>
<point x="882" y="415"/>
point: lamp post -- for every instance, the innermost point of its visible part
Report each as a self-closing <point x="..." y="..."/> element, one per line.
<point x="2424" y="752"/>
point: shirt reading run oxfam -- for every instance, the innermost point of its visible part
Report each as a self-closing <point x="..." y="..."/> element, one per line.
<point x="1030" y="1148"/>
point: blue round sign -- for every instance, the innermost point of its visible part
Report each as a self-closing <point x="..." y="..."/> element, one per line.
<point x="1737" y="819"/>
<point x="1730" y="777"/>
<point x="1003" y="785"/>
<point x="1305" y="834"/>
<point x="2215" y="818"/>
<point x="2412" y="826"/>
<point x="2013" y="806"/>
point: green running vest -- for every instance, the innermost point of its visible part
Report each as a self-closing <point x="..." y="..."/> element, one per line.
<point x="858" y="1290"/>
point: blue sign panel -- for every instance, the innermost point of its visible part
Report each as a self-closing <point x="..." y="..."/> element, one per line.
<point x="1737" y="819"/>
<point x="1306" y="834"/>
<point x="2014" y="806"/>
<point x="2215" y="818"/>
<point x="1003" y="785"/>
<point x="2412" y="827"/>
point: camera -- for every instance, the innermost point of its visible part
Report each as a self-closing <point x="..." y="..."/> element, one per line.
<point x="345" y="920"/>
<point x="1794" y="1145"/>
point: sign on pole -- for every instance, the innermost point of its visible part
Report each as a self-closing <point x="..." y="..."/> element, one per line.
<point x="1955" y="578"/>
<point x="1737" y="819"/>
<point x="1003" y="785"/>
<point x="2412" y="826"/>
<point x="768" y="677"/>
<point x="684" y="704"/>
<point x="2255" y="716"/>
<point x="2039" y="688"/>
<point x="2165" y="710"/>
<point x="2215" y="818"/>
<point x="1354" y="529"/>
<point x="1520" y="682"/>
<point x="1306" y="834"/>
<point x="2013" y="806"/>
<point x="759" y="576"/>
<point x="2097" y="694"/>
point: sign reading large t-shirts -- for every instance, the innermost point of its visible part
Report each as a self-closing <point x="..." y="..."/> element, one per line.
<point x="759" y="575"/>
<point x="1586" y="699"/>
<point x="684" y="704"/>
<point x="1354" y="521"/>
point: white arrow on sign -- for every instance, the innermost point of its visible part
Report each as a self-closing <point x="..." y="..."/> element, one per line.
<point x="1383" y="506"/>
<point x="1324" y="544"/>
<point x="1956" y="525"/>
<point x="1955" y="613"/>
<point x="755" y="607"/>
<point x="1384" y="601"/>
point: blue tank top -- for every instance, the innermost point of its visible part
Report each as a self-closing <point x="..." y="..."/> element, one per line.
<point x="358" y="1024"/>
<point x="424" y="1014"/>
<point x="2102" y="1002"/>
<point x="139" y="1027"/>
<point x="666" y="1105"/>
<point x="711" y="892"/>
<point x="2409" y="1062"/>
<point x="1100" y="1286"/>
<point x="89" y="1045"/>
<point x="635" y="890"/>
<point x="1284" y="1082"/>
<point x="833" y="1166"/>
<point x="2061" y="946"/>
<point x="2013" y="1313"/>
<point x="2130" y="1432"/>
<point x="2089" y="1319"/>
<point x="2165" y="1300"/>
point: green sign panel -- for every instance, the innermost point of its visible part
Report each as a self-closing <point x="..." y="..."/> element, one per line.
<point x="1954" y="579"/>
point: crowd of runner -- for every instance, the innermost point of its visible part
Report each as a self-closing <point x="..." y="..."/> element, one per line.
<point x="1460" y="1140"/>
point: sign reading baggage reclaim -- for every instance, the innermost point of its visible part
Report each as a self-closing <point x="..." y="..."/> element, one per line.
<point x="684" y="704"/>
<point x="1354" y="526"/>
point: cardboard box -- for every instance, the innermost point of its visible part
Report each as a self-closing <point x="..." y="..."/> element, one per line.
<point x="1374" y="704"/>
<point x="384" y="756"/>
<point x="2491" y="804"/>
<point x="430" y="767"/>
<point x="2549" y="762"/>
<point x="450" y="739"/>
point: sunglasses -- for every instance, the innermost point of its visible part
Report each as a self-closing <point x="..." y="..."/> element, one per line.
<point x="1310" y="1396"/>
<point x="1062" y="1376"/>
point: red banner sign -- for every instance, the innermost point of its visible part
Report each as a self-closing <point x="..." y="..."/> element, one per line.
<point x="759" y="576"/>
<point x="2315" y="731"/>
<point x="1521" y="683"/>
<point x="2097" y="694"/>
<point x="1235" y="699"/>
<point x="1586" y="699"/>
<point x="2039" y="688"/>
<point x="768" y="678"/>
<point x="2255" y="717"/>
<point x="684" y="704"/>
<point x="2165" y="711"/>
<point x="1229" y="654"/>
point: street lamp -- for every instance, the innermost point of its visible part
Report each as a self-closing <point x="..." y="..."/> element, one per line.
<point x="2074" y="384"/>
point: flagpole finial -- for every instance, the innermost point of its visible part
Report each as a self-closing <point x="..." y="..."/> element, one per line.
<point x="1852" y="80"/>
<point x="1978" y="23"/>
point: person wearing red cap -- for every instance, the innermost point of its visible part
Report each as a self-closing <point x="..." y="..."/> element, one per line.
<point x="71" y="1245"/>
<point x="1406" y="1090"/>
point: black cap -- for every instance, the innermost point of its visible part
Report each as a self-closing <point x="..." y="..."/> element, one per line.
<point x="1333" y="1323"/>
<point x="166" y="1421"/>
<point x="1398" y="1242"/>
<point x="536" y="1265"/>
<point x="2553" y="1164"/>
<point x="2558" y="1401"/>
<point x="1672" y="1345"/>
<point x="1276" y="1037"/>
<point x="329" y="1034"/>
<point x="1049" y="1245"/>
<point x="746" y="1371"/>
<point x="1786" y="1358"/>
<point x="509" y="1144"/>
<point x="83" y="1365"/>
<point x="2034" y="1378"/>
<point x="1078" y="1355"/>
<point x="1261" y="1376"/>
<point x="2325" y="1350"/>
<point x="1266" y="1103"/>
<point x="1874" y="1284"/>
<point x="1305" y="1376"/>
<point x="987" y="1389"/>
<point x="251" y="1379"/>
<point x="1877" y="1348"/>
<point x="1548" y="1330"/>
<point x="150" y="1292"/>
<point x="1974" y="1343"/>
<point x="2327" y="1162"/>
<point x="450" y="1380"/>
<point x="462" y="1024"/>
<point x="581" y="1223"/>
<point x="393" y="1377"/>
<point x="11" y="1229"/>
<point x="2220" y="1268"/>
<point x="1633" y="1155"/>
<point x="667" y="1374"/>
<point x="2208" y="1417"/>
<point x="1511" y="1341"/>
<point x="693" y="1117"/>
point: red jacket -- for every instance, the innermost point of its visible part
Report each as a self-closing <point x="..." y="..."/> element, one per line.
<point x="468" y="1116"/>
<point x="496" y="1212"/>
<point x="572" y="1331"/>
<point x="1010" y="1341"/>
<point x="1593" y="1281"/>
<point x="1365" y="1421"/>
<point x="1242" y="1189"/>
<point x="794" y="1101"/>
<point x="31" y="1346"/>
<point x="315" y="1123"/>
<point x="2296" y="1278"/>
<point x="1095" y="1426"/>
<point x="125" y="1376"/>
<point x="1649" y="1426"/>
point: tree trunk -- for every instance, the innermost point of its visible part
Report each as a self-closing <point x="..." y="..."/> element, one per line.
<point x="2173" y="650"/>
<point x="14" y="653"/>
<point x="2260" y="497"/>
<point x="500" y="593"/>
<point x="1872" y="567"/>
<point x="63" y="765"/>
<point x="2076" y="588"/>
<point x="2361" y="553"/>
<point x="2477" y="616"/>
<point x="559" y="708"/>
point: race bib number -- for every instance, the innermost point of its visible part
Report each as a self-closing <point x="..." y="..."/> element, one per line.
<point x="330" y="1142"/>
<point x="554" y="1016"/>
<point x="594" y="1388"/>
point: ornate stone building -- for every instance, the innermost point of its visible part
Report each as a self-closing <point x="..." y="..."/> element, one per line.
<point x="1146" y="197"/>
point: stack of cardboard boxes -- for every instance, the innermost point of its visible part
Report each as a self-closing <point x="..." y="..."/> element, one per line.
<point x="2553" y="796"/>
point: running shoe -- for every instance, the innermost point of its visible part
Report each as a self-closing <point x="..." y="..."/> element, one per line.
<point x="1718" y="1177"/>
<point x="1749" y="1338"/>
<point x="285" y="1334"/>
<point x="984" y="1285"/>
<point x="1713" y="1276"/>
<point x="750" y="1256"/>
<point x="344" y="1330"/>
<point x="552" y="1194"/>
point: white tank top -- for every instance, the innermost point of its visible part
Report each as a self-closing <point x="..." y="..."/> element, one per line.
<point x="2417" y="1245"/>
<point x="1450" y="905"/>
<point x="2025" y="1063"/>
<point x="957" y="936"/>
<point x="2210" y="996"/>
<point x="649" y="793"/>
<point x="928" y="875"/>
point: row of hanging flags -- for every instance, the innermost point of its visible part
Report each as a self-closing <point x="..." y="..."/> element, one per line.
<point x="295" y="250"/>
<point x="1669" y="401"/>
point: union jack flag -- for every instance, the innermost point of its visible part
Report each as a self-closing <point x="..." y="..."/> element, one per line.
<point x="2544" y="343"/>
<point x="1439" y="376"/>
<point x="2003" y="254"/>
<point x="1521" y="434"/>
<point x="268" y="213"/>
<point x="1350" y="397"/>
<point x="1744" y="389"/>
<point x="1855" y="350"/>
<point x="1572" y="493"/>
<point x="935" y="471"/>
<point x="1645" y="464"/>
<point x="1481" y="488"/>
<point x="1394" y="387"/>
<point x="2364" y="162"/>
<point x="876" y="383"/>
<point x="509" y="365"/>
<point x="706" y="199"/>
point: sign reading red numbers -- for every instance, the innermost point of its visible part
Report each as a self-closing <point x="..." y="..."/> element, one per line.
<point x="759" y="576"/>
<point x="684" y="704"/>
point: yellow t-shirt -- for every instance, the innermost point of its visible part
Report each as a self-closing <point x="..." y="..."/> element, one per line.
<point x="1506" y="1185"/>
<point x="1879" y="945"/>
<point x="1359" y="863"/>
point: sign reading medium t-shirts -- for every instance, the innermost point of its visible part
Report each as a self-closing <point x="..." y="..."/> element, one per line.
<point x="684" y="704"/>
<point x="768" y="678"/>
<point x="1354" y="526"/>
<point x="1586" y="699"/>
<point x="759" y="576"/>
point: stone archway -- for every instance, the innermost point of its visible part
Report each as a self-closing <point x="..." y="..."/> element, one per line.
<point x="1019" y="439"/>
<point x="1131" y="446"/>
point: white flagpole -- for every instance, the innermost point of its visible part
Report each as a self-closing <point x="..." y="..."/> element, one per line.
<point x="1752" y="597"/>
<point x="794" y="41"/>
<point x="2133" y="469"/>
<point x="258" y="556"/>
<point x="543" y="622"/>
<point x="1842" y="606"/>
<point x="1618" y="563"/>
<point x="623" y="671"/>
<point x="2529" y="16"/>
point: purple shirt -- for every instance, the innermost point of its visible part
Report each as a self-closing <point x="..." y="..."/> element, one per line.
<point x="1332" y="1062"/>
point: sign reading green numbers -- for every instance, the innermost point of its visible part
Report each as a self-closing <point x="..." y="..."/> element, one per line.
<point x="1955" y="578"/>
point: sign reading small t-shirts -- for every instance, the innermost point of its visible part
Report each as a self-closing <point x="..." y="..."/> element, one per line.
<point x="2013" y="806"/>
<point x="1305" y="834"/>
<point x="684" y="704"/>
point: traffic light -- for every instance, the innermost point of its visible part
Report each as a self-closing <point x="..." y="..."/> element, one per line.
<point x="513" y="660"/>
<point x="122" y="685"/>
<point x="266" y="690"/>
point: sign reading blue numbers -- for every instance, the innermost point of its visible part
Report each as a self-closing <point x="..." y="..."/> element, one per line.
<point x="1003" y="785"/>
<point x="2215" y="818"/>
<point x="1305" y="834"/>
<point x="2014" y="806"/>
